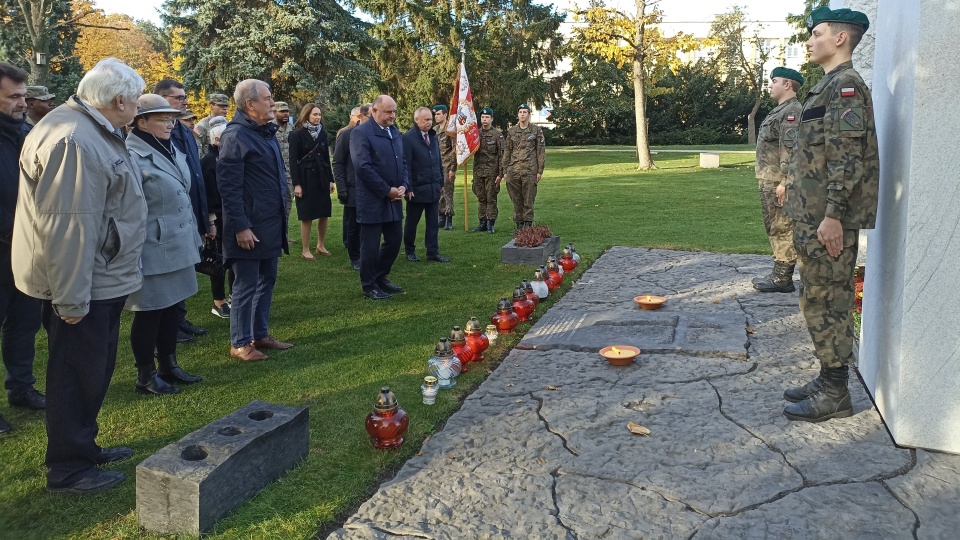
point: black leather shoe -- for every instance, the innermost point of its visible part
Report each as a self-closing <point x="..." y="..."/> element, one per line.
<point x="114" y="454"/>
<point x="152" y="384"/>
<point x="188" y="327"/>
<point x="183" y="337"/>
<point x="28" y="399"/>
<point x="170" y="371"/>
<point x="438" y="258"/>
<point x="377" y="294"/>
<point x="93" y="481"/>
<point x="412" y="257"/>
<point x="5" y="426"/>
<point x="391" y="288"/>
<point x="355" y="265"/>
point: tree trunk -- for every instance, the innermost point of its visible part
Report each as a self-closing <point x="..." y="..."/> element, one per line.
<point x="644" y="159"/>
<point x="752" y="121"/>
<point x="35" y="15"/>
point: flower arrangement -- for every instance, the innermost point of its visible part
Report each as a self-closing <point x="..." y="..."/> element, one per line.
<point x="858" y="275"/>
<point x="532" y="236"/>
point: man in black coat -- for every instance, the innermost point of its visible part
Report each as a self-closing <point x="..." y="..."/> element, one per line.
<point x="346" y="179"/>
<point x="377" y="152"/>
<point x="421" y="150"/>
<point x="19" y="313"/>
<point x="253" y="186"/>
<point x="186" y="143"/>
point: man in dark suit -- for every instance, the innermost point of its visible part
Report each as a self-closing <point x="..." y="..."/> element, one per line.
<point x="377" y="152"/>
<point x="184" y="141"/>
<point x="421" y="150"/>
<point x="346" y="180"/>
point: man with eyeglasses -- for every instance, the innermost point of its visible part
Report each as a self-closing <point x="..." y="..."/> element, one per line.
<point x="176" y="95"/>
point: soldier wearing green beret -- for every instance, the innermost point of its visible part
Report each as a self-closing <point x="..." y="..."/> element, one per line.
<point x="487" y="171"/>
<point x="836" y="171"/>
<point x="219" y="103"/>
<point x="448" y="156"/>
<point x="523" y="165"/>
<point x="778" y="133"/>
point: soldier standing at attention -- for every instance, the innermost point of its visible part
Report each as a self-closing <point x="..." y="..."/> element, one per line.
<point x="219" y="103"/>
<point x="448" y="155"/>
<point x="778" y="133"/>
<point x="39" y="104"/>
<point x="833" y="195"/>
<point x="487" y="171"/>
<point x="523" y="165"/>
<point x="282" y="119"/>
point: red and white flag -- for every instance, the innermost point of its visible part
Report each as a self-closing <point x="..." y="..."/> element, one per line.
<point x="463" y="119"/>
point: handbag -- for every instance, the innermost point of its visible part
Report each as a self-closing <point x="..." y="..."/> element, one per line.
<point x="211" y="263"/>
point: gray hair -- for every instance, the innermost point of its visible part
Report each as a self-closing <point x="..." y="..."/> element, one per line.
<point x="247" y="89"/>
<point x="216" y="131"/>
<point x="107" y="80"/>
<point x="417" y="112"/>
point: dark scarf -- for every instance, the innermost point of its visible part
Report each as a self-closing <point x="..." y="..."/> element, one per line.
<point x="164" y="147"/>
<point x="12" y="128"/>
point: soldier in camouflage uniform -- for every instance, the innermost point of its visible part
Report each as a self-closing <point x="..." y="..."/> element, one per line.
<point x="189" y="119"/>
<point x="219" y="103"/>
<point x="523" y="165"/>
<point x="778" y="133"/>
<point x="836" y="172"/>
<point x="487" y="171"/>
<point x="448" y="155"/>
<point x="282" y="119"/>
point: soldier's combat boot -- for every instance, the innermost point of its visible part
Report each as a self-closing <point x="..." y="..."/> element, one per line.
<point x="519" y="225"/>
<point x="482" y="227"/>
<point x="490" y="228"/>
<point x="782" y="280"/>
<point x="767" y="277"/>
<point x="449" y="223"/>
<point x="800" y="393"/>
<point x="832" y="401"/>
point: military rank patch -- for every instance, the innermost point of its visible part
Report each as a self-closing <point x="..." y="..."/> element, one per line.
<point x="852" y="119"/>
<point x="848" y="92"/>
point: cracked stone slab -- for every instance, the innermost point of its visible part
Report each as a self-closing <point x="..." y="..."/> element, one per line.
<point x="693" y="454"/>
<point x="653" y="331"/>
<point x="866" y="511"/>
<point x="599" y="508"/>
<point x="932" y="491"/>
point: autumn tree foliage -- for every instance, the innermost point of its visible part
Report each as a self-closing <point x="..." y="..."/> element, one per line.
<point x="633" y="39"/>
<point x="45" y="27"/>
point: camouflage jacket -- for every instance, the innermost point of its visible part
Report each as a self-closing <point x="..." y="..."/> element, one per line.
<point x="488" y="160"/>
<point x="283" y="137"/>
<point x="778" y="133"/>
<point x="201" y="130"/>
<point x="525" y="150"/>
<point x="836" y="164"/>
<point x="447" y="150"/>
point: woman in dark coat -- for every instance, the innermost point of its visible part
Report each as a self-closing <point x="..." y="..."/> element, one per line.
<point x="312" y="177"/>
<point x="208" y="166"/>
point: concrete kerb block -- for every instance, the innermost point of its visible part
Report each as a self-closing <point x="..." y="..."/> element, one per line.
<point x="709" y="160"/>
<point x="510" y="253"/>
<point x="186" y="487"/>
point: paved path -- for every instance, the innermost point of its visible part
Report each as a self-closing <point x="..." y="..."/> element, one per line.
<point x="541" y="449"/>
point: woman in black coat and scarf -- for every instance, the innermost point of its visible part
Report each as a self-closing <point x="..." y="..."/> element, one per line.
<point x="312" y="177"/>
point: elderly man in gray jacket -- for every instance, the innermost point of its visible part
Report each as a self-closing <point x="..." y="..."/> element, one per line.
<point x="77" y="240"/>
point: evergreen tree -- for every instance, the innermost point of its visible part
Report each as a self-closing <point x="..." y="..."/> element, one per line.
<point x="812" y="73"/>
<point x="47" y="27"/>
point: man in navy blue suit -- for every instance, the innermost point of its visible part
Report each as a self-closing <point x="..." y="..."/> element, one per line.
<point x="421" y="150"/>
<point x="377" y="152"/>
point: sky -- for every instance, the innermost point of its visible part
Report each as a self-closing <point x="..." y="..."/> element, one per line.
<point x="674" y="10"/>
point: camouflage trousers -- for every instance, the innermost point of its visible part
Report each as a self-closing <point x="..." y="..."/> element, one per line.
<point x="522" y="189"/>
<point x="288" y="203"/>
<point x="778" y="224"/>
<point x="486" y="189"/>
<point x="446" y="196"/>
<point x="827" y="294"/>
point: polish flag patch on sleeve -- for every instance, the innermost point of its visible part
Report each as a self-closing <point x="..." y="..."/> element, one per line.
<point x="847" y="92"/>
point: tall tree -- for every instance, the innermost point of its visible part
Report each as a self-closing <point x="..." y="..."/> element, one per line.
<point x="306" y="49"/>
<point x="633" y="39"/>
<point x="742" y="54"/>
<point x="812" y="73"/>
<point x="597" y="105"/>
<point x="47" y="28"/>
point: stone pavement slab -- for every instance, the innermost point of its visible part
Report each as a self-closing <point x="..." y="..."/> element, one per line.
<point x="541" y="449"/>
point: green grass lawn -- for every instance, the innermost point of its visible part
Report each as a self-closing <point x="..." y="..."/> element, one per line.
<point x="348" y="347"/>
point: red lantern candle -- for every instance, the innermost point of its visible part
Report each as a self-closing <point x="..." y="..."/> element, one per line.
<point x="476" y="339"/>
<point x="532" y="296"/>
<point x="505" y="318"/>
<point x="553" y="269"/>
<point x="388" y="422"/>
<point x="458" y="342"/>
<point x="522" y="305"/>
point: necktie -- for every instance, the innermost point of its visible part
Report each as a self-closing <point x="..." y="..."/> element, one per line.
<point x="426" y="138"/>
<point x="387" y="129"/>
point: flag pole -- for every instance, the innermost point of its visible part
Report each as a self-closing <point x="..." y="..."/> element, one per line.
<point x="466" y="203"/>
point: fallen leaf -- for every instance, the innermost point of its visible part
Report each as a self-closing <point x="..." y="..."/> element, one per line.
<point x="541" y="460"/>
<point x="519" y="401"/>
<point x="551" y="387"/>
<point x="637" y="429"/>
<point x="420" y="453"/>
<point x="509" y="385"/>
<point x="716" y="301"/>
<point x="751" y="330"/>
